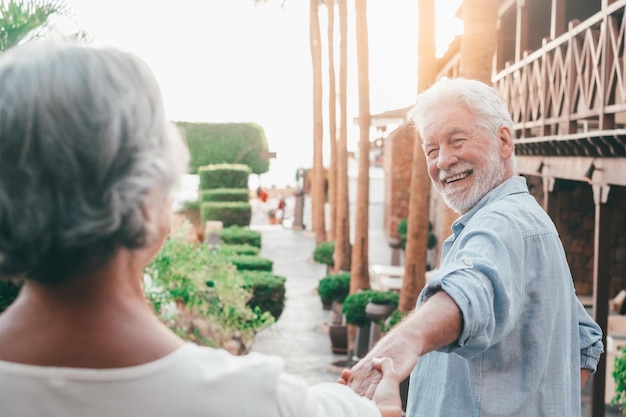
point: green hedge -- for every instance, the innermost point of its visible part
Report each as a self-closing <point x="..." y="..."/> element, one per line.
<point x="235" y="235"/>
<point x="251" y="263"/>
<point x="225" y="194"/>
<point x="235" y="249"/>
<point x="268" y="291"/>
<point x="229" y="213"/>
<point x="224" y="176"/>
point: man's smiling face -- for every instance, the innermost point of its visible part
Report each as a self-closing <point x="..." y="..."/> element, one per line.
<point x="464" y="160"/>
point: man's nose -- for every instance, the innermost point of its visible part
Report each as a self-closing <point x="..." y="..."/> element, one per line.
<point x="446" y="158"/>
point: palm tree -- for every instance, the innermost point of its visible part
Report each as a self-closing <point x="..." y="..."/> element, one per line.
<point x="22" y="20"/>
<point x="343" y="249"/>
<point x="332" y="119"/>
<point x="317" y="184"/>
<point x="359" y="272"/>
<point x="417" y="227"/>
<point x="477" y="48"/>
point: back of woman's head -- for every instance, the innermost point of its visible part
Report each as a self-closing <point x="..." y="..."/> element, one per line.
<point x="85" y="152"/>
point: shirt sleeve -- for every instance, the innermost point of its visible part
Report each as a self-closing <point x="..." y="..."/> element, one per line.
<point x="327" y="399"/>
<point x="591" y="347"/>
<point x="481" y="274"/>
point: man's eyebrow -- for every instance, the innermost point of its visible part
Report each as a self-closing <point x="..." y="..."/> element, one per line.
<point x="455" y="130"/>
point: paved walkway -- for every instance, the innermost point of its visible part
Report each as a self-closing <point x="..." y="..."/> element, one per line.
<point x="300" y="336"/>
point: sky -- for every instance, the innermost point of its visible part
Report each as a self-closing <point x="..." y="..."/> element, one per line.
<point x="233" y="61"/>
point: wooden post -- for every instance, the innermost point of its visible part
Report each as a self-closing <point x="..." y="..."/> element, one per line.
<point x="601" y="283"/>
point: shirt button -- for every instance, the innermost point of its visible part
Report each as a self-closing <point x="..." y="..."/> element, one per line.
<point x="468" y="262"/>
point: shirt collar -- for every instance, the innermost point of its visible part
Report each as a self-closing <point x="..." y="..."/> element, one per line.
<point x="513" y="185"/>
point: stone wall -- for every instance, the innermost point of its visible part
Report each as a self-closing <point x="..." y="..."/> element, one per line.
<point x="398" y="161"/>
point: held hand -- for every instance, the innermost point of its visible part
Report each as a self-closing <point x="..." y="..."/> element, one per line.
<point x="387" y="393"/>
<point x="364" y="377"/>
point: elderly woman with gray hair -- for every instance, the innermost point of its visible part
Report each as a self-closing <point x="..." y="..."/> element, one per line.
<point x="88" y="162"/>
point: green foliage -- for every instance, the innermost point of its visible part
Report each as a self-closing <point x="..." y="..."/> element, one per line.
<point x="236" y="249"/>
<point x="268" y="291"/>
<point x="8" y="293"/>
<point x="396" y="317"/>
<point x="402" y="230"/>
<point x="201" y="296"/>
<point x="217" y="143"/>
<point x="223" y="176"/>
<point x="323" y="253"/>
<point x="251" y="263"/>
<point x="225" y="194"/>
<point x="334" y="287"/>
<point x="354" y="305"/>
<point x="619" y="375"/>
<point x="229" y="213"/>
<point x="21" y="20"/>
<point x="235" y="235"/>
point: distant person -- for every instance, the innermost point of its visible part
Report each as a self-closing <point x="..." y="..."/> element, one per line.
<point x="280" y="207"/>
<point x="88" y="162"/>
<point x="498" y="329"/>
<point x="262" y="194"/>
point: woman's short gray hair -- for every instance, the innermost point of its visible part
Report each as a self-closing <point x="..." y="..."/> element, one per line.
<point x="479" y="98"/>
<point x="85" y="152"/>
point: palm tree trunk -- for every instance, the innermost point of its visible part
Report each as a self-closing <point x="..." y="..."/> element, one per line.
<point x="317" y="185"/>
<point x="417" y="225"/>
<point x="332" y="118"/>
<point x="359" y="273"/>
<point x="478" y="44"/>
<point x="343" y="249"/>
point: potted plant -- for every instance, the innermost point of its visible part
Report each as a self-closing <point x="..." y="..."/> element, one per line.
<point x="354" y="308"/>
<point x="271" y="215"/>
<point x="323" y="254"/>
<point x="333" y="289"/>
<point x="619" y="375"/>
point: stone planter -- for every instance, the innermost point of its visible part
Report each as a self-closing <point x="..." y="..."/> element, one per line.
<point x="338" y="338"/>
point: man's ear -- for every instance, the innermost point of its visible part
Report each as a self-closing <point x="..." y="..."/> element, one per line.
<point x="506" y="144"/>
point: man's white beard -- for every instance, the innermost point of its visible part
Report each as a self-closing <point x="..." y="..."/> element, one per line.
<point x="462" y="199"/>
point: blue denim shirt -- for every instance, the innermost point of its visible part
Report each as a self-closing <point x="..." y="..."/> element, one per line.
<point x="525" y="335"/>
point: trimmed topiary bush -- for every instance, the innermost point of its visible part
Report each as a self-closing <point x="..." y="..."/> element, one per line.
<point x="251" y="263"/>
<point x="354" y="305"/>
<point x="334" y="287"/>
<point x="268" y="291"/>
<point x="224" y="176"/>
<point x="215" y="143"/>
<point x="225" y="194"/>
<point x="229" y="213"/>
<point x="235" y="235"/>
<point x="323" y="253"/>
<point x="244" y="249"/>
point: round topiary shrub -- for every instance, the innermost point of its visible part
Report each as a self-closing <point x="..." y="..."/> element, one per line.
<point x="334" y="287"/>
<point x="323" y="253"/>
<point x="354" y="305"/>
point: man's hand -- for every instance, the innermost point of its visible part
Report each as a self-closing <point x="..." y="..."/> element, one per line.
<point x="364" y="377"/>
<point x="384" y="385"/>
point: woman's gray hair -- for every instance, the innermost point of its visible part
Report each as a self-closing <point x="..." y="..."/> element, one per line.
<point x="479" y="98"/>
<point x="86" y="151"/>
